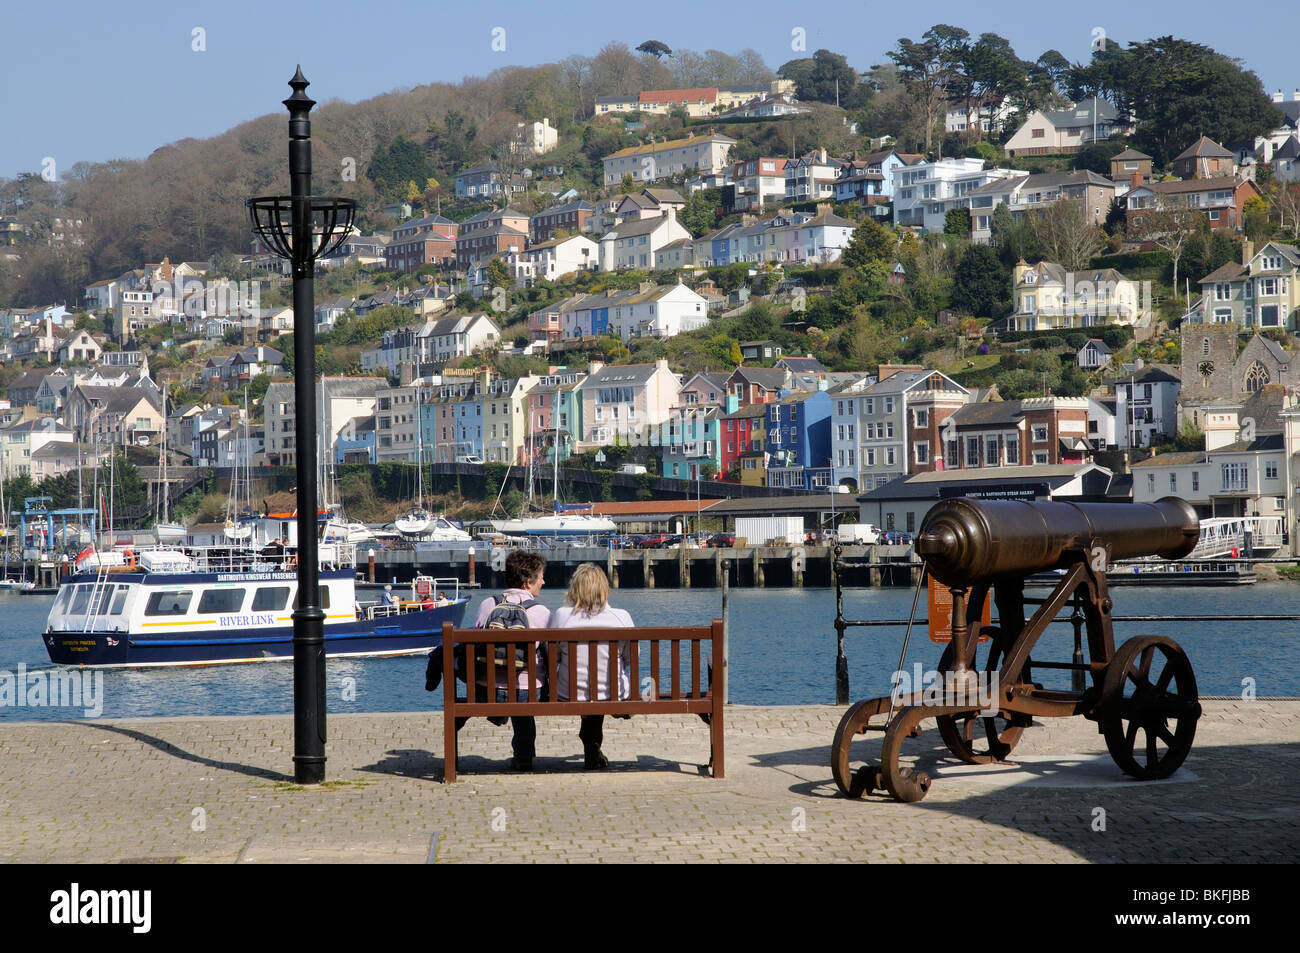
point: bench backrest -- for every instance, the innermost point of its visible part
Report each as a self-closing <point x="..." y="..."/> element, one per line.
<point x="685" y="688"/>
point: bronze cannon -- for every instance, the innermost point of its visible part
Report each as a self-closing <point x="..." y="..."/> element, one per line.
<point x="982" y="549"/>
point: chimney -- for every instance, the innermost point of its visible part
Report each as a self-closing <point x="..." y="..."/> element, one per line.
<point x="593" y="367"/>
<point x="1135" y="180"/>
<point x="1295" y="96"/>
<point x="821" y="156"/>
<point x="1247" y="252"/>
<point x="1277" y="97"/>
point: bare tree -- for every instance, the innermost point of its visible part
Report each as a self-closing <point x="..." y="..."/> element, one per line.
<point x="1067" y="235"/>
<point x="1171" y="227"/>
<point x="1286" y="209"/>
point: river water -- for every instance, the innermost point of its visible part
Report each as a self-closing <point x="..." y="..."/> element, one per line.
<point x="782" y="652"/>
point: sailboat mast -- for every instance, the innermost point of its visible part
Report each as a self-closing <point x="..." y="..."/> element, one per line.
<point x="165" y="494"/>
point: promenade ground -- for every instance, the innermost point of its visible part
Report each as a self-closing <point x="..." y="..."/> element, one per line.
<point x="219" y="790"/>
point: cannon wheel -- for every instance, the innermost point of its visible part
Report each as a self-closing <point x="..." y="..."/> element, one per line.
<point x="1148" y="684"/>
<point x="852" y="783"/>
<point x="906" y="784"/>
<point x="958" y="731"/>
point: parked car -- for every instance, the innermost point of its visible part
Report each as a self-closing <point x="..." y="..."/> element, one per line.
<point x="653" y="541"/>
<point x="722" y="540"/>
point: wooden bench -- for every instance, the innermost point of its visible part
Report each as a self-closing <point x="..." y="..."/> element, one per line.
<point x="682" y="692"/>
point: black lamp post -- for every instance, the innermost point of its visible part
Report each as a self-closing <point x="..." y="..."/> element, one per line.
<point x="303" y="228"/>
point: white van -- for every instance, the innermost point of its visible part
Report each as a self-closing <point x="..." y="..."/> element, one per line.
<point x="632" y="468"/>
<point x="468" y="458"/>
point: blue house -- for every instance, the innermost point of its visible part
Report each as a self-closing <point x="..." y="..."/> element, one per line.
<point x="798" y="448"/>
<point x="356" y="441"/>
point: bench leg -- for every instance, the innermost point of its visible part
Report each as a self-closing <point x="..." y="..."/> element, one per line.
<point x="715" y="743"/>
<point x="449" y="727"/>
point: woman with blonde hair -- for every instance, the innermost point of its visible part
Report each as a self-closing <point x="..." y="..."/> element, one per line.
<point x="586" y="605"/>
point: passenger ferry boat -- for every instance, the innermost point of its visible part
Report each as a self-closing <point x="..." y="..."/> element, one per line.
<point x="218" y="605"/>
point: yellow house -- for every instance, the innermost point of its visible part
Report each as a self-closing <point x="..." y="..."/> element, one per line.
<point x="1047" y="297"/>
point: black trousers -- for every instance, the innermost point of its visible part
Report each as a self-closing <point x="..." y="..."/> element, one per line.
<point x="592" y="732"/>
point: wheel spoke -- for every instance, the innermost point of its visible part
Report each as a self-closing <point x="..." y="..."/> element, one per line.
<point x="1165" y="735"/>
<point x="1130" y="736"/>
<point x="1148" y="654"/>
<point x="1165" y="678"/>
<point x="1152" y="758"/>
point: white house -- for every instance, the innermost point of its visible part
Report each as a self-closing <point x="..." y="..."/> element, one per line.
<point x="634" y="244"/>
<point x="924" y="192"/>
<point x="658" y="160"/>
<point x="661" y="312"/>
<point x="550" y="259"/>
<point x="1065" y="130"/>
<point x="811" y="178"/>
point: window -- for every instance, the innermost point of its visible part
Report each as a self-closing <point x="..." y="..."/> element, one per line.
<point x="869" y="457"/>
<point x="1040" y="433"/>
<point x="869" y="406"/>
<point x="889" y="405"/>
<point x="991" y="451"/>
<point x="270" y="598"/>
<point x="1235" y="477"/>
<point x="1196" y="481"/>
<point x="222" y="600"/>
<point x="1270" y="471"/>
<point x="889" y="457"/>
<point x="168" y="602"/>
<point x="972" y="451"/>
<point x="921" y="450"/>
<point x="922" y="418"/>
<point x="324" y="597"/>
<point x="1173" y="483"/>
<point x="1012" y="443"/>
<point x="951" y="454"/>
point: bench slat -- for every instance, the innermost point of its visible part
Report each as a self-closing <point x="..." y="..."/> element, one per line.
<point x="677" y="669"/>
<point x="695" y="668"/>
<point x="634" y="676"/>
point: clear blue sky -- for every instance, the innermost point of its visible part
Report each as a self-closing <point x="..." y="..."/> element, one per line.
<point x="92" y="81"/>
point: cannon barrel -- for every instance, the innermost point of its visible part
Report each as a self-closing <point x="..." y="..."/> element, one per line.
<point x="964" y="541"/>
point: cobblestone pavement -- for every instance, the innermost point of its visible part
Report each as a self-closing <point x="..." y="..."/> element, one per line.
<point x="219" y="790"/>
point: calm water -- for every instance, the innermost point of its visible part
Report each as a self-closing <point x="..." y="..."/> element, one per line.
<point x="782" y="651"/>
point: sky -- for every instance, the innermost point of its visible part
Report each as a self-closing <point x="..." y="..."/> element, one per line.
<point x="86" y="80"/>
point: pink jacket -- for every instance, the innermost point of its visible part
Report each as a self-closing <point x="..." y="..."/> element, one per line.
<point x="567" y="618"/>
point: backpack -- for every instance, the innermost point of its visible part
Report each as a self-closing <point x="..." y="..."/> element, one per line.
<point x="505" y="615"/>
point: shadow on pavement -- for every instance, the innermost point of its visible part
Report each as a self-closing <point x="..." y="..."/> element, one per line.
<point x="1226" y="802"/>
<point x="166" y="747"/>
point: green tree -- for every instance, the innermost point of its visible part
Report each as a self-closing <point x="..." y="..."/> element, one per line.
<point x="1179" y="91"/>
<point x="980" y="284"/>
<point x="827" y="77"/>
<point x="655" y="48"/>
<point x="957" y="222"/>
<point x="928" y="69"/>
<point x="871" y="242"/>
<point x="498" y="275"/>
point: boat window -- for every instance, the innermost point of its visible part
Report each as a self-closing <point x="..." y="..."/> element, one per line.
<point x="61" y="603"/>
<point x="270" y="598"/>
<point x="80" y="601"/>
<point x="324" y="597"/>
<point x="101" y="604"/>
<point x="169" y="602"/>
<point x="119" y="601"/>
<point x="222" y="600"/>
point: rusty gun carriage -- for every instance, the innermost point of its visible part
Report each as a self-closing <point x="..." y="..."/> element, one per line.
<point x="981" y="549"/>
